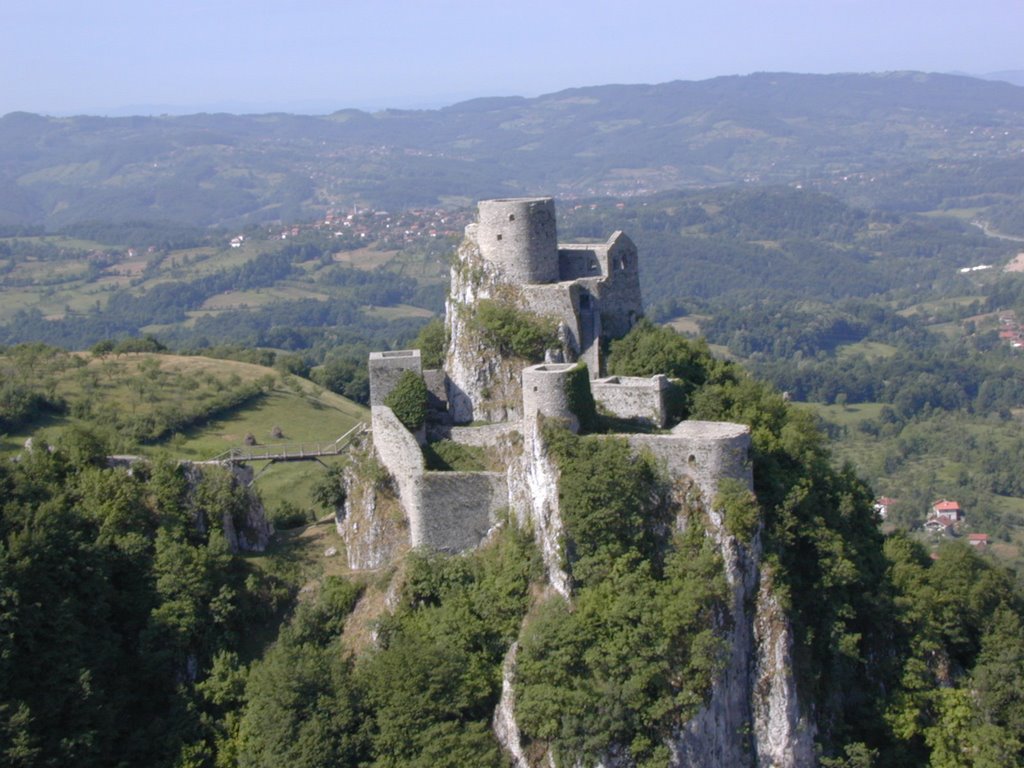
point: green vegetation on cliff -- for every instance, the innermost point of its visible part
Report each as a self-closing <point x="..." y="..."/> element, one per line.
<point x="117" y="594"/>
<point x="635" y="652"/>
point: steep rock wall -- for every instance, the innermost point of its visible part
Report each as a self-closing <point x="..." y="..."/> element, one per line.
<point x="533" y="499"/>
<point x="753" y="717"/>
<point x="372" y="523"/>
<point x="784" y="735"/>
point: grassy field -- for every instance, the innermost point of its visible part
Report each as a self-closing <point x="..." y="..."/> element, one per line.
<point x="931" y="307"/>
<point x="688" y="325"/>
<point x="302" y="417"/>
<point x="845" y="415"/>
<point x="365" y="258"/>
<point x="120" y="390"/>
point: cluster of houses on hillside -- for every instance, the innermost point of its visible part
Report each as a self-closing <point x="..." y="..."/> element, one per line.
<point x="1010" y="331"/>
<point x="390" y="229"/>
<point x="945" y="518"/>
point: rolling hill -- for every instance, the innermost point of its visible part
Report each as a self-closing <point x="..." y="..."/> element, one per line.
<point x="902" y="140"/>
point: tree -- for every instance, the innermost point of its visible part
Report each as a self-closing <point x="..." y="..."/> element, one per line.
<point x="432" y="343"/>
<point x="409" y="400"/>
<point x="649" y="349"/>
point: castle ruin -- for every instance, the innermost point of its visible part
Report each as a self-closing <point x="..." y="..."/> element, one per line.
<point x="591" y="294"/>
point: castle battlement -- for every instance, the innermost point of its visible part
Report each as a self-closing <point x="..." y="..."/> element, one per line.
<point x="386" y="368"/>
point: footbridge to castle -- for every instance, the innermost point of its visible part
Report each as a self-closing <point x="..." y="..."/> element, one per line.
<point x="313" y="451"/>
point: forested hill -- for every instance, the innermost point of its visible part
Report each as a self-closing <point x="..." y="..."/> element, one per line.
<point x="902" y="140"/>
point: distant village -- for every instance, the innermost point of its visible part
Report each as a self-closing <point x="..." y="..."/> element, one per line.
<point x="363" y="226"/>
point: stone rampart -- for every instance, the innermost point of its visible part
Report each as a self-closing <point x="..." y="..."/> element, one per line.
<point x="398" y="450"/>
<point x="635" y="398"/>
<point x="386" y="368"/>
<point x="618" y="295"/>
<point x="483" y="436"/>
<point x="458" y="508"/>
<point x="704" y="451"/>
<point x="580" y="260"/>
<point x="447" y="511"/>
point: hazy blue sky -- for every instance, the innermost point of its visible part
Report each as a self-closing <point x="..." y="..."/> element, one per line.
<point x="113" y="56"/>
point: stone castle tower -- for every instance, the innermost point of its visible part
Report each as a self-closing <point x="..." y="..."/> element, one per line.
<point x="512" y="253"/>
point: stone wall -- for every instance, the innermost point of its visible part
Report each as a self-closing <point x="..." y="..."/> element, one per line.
<point x="458" y="508"/>
<point x="618" y="296"/>
<point x="386" y="368"/>
<point x="705" y="452"/>
<point x="484" y="436"/>
<point x="447" y="511"/>
<point x="636" y="398"/>
<point x="400" y="453"/>
<point x="559" y="301"/>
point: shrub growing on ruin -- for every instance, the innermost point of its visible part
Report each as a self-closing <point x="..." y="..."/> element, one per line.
<point x="649" y="349"/>
<point x="408" y="400"/>
<point x="739" y="509"/>
<point x="515" y="332"/>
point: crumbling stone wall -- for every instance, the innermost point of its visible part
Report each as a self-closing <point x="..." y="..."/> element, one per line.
<point x="705" y="452"/>
<point x="458" y="508"/>
<point x="400" y="453"/>
<point x="447" y="511"/>
<point x="637" y="398"/>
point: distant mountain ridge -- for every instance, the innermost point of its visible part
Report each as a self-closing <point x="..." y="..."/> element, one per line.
<point x="613" y="139"/>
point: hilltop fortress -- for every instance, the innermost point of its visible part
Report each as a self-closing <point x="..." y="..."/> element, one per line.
<point x="589" y="294"/>
<point x="490" y="399"/>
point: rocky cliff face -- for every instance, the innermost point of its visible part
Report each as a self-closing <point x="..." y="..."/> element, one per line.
<point x="474" y="372"/>
<point x="753" y="716"/>
<point x="483" y="385"/>
<point x="243" y="518"/>
<point x="371" y="523"/>
<point x="533" y="497"/>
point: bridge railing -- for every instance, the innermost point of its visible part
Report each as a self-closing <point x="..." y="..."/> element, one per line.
<point x="291" y="451"/>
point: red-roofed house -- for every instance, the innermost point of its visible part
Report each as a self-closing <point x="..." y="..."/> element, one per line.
<point x="947" y="509"/>
<point x="979" y="540"/>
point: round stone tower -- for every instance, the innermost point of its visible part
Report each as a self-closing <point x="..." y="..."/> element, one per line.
<point x="545" y="392"/>
<point x="518" y="236"/>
